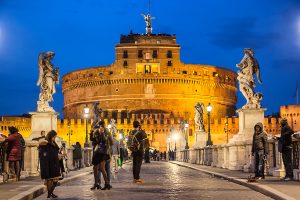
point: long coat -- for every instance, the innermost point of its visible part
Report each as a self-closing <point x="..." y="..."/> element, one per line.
<point x="14" y="147"/>
<point x="49" y="161"/>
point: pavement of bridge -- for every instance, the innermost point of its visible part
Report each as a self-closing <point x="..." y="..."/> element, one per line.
<point x="33" y="186"/>
<point x="272" y="186"/>
<point x="163" y="180"/>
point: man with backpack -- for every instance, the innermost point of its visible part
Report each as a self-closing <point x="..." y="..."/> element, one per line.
<point x="137" y="143"/>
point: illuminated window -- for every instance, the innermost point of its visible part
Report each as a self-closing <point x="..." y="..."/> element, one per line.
<point x="148" y="56"/>
<point x="147" y="69"/>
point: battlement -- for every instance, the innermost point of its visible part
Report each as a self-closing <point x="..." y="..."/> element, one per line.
<point x="145" y="38"/>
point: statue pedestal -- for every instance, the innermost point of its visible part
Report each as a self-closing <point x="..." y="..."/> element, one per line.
<point x="200" y="139"/>
<point x="248" y="118"/>
<point x="239" y="145"/>
<point x="43" y="121"/>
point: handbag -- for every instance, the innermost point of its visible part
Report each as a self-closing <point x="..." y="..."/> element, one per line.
<point x="101" y="148"/>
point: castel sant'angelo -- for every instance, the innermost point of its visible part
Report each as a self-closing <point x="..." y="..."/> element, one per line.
<point x="149" y="82"/>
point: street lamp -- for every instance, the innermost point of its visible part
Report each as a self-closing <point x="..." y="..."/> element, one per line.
<point x="86" y="112"/>
<point x="175" y="137"/>
<point x="209" y="109"/>
<point x="169" y="143"/>
<point x="186" y="127"/>
<point x="69" y="133"/>
<point x="226" y="129"/>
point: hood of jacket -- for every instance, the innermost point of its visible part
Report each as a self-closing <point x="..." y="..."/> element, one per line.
<point x="260" y="125"/>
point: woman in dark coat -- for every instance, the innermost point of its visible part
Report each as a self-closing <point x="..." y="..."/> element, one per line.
<point x="49" y="162"/>
<point x="102" y="141"/>
<point x="14" y="151"/>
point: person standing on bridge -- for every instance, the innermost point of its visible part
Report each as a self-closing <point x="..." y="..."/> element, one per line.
<point x="49" y="162"/>
<point x="259" y="150"/>
<point x="285" y="147"/>
<point x="102" y="141"/>
<point x="137" y="143"/>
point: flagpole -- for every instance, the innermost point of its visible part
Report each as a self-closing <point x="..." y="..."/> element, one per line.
<point x="297" y="92"/>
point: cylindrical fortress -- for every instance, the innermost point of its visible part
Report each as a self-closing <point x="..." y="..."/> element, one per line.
<point x="148" y="75"/>
<point x="148" y="82"/>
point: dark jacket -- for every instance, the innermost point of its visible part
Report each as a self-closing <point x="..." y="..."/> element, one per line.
<point x="49" y="162"/>
<point x="97" y="138"/>
<point x="259" y="140"/>
<point x="77" y="153"/>
<point x="286" y="136"/>
<point x="14" y="148"/>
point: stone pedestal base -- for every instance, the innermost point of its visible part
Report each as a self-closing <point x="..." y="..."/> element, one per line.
<point x="248" y="118"/>
<point x="70" y="163"/>
<point x="42" y="121"/>
<point x="279" y="172"/>
<point x="240" y="144"/>
<point x="192" y="156"/>
<point x="31" y="161"/>
<point x="88" y="156"/>
<point x="236" y="157"/>
<point x="200" y="139"/>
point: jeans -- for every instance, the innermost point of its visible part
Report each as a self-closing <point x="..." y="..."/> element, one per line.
<point x="259" y="163"/>
<point x="114" y="163"/>
<point x="107" y="169"/>
<point x="137" y="164"/>
<point x="287" y="161"/>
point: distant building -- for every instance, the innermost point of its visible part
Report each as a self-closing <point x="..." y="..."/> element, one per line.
<point x="292" y="114"/>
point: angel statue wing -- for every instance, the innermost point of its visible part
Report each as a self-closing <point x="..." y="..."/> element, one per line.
<point x="257" y="71"/>
<point x="41" y="71"/>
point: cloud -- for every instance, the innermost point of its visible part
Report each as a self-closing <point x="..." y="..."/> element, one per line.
<point x="242" y="33"/>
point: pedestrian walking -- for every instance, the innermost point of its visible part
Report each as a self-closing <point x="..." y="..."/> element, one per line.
<point x="49" y="162"/>
<point x="136" y="146"/>
<point x="14" y="152"/>
<point x="285" y="147"/>
<point x="115" y="149"/>
<point x="122" y="152"/>
<point x="147" y="155"/>
<point x="77" y="155"/>
<point x="259" y="150"/>
<point x="102" y="141"/>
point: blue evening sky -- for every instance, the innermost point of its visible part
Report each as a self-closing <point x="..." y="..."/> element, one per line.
<point x="83" y="33"/>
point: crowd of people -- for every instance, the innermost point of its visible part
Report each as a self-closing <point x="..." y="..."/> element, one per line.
<point x="109" y="153"/>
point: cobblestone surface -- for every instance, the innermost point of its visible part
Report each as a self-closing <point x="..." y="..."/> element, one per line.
<point x="162" y="181"/>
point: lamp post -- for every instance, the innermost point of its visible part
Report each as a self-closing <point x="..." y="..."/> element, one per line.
<point x="175" y="137"/>
<point x="226" y="129"/>
<point x="69" y="133"/>
<point x="169" y="143"/>
<point x="86" y="112"/>
<point x="186" y="127"/>
<point x="209" y="109"/>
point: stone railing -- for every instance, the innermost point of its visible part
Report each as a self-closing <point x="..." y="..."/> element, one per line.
<point x="238" y="157"/>
<point x="31" y="161"/>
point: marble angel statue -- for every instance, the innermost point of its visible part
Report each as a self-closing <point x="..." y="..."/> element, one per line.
<point x="48" y="77"/>
<point x="199" y="110"/>
<point x="248" y="68"/>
